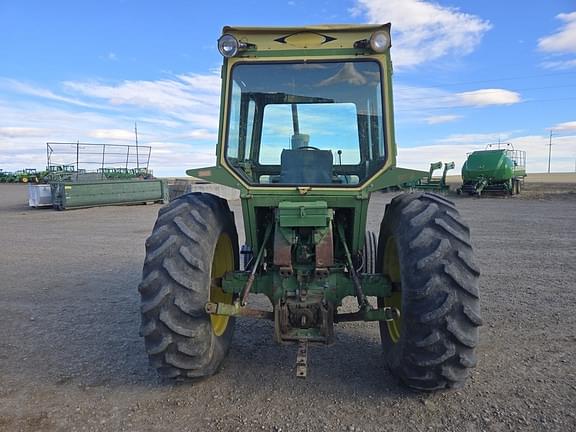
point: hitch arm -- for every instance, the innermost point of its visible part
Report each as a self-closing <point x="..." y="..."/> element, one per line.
<point x="237" y="310"/>
<point x="360" y="296"/>
<point x="250" y="281"/>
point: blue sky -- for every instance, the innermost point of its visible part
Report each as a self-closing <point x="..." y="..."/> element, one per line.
<point x="466" y="74"/>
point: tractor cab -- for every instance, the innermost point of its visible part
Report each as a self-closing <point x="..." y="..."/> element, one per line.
<point x="314" y="123"/>
<point x="308" y="106"/>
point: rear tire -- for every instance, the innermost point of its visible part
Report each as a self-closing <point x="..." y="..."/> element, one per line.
<point x="193" y="241"/>
<point x="424" y="248"/>
<point x="370" y="250"/>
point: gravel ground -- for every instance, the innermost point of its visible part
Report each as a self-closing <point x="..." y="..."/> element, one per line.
<point x="71" y="358"/>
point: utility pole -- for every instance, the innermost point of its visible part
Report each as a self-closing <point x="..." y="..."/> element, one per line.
<point x="138" y="157"/>
<point x="549" y="151"/>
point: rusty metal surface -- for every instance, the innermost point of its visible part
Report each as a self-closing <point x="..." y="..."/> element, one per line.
<point x="236" y="310"/>
<point x="287" y="326"/>
<point x="282" y="252"/>
<point x="256" y="313"/>
<point x="325" y="251"/>
<point x="247" y="287"/>
<point x="302" y="359"/>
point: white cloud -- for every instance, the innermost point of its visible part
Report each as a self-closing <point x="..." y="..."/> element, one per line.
<point x="420" y="99"/>
<point x="561" y="44"/>
<point x="559" y="64"/>
<point x="567" y="126"/>
<point x="31" y="90"/>
<point x="205" y="83"/>
<point x="193" y="98"/>
<point x="208" y="120"/>
<point x="14" y="132"/>
<point x="424" y="31"/>
<point x="184" y="91"/>
<point x="407" y="96"/>
<point x="57" y="123"/>
<point x="476" y="138"/>
<point x="564" y="40"/>
<point x="442" y="119"/>
<point x="203" y="134"/>
<point x="112" y="134"/>
<point x="173" y="159"/>
<point x="488" y="97"/>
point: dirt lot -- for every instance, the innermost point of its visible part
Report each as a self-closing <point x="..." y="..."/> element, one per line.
<point x="71" y="358"/>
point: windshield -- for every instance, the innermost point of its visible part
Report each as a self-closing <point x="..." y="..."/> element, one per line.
<point x="306" y="123"/>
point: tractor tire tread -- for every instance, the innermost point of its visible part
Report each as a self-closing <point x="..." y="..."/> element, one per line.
<point x="440" y="295"/>
<point x="176" y="285"/>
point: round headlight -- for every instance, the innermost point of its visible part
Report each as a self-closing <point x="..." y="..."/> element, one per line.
<point x="228" y="45"/>
<point x="380" y="41"/>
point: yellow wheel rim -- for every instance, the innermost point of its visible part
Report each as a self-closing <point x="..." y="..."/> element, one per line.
<point x="223" y="262"/>
<point x="392" y="270"/>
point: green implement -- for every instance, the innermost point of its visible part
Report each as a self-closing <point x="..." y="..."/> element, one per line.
<point x="307" y="135"/>
<point x="434" y="183"/>
<point x="69" y="195"/>
<point x="498" y="168"/>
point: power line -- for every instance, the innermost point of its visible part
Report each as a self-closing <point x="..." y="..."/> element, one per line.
<point x="480" y="106"/>
<point x="492" y="91"/>
<point x="549" y="151"/>
<point x="500" y="79"/>
<point x="549" y="145"/>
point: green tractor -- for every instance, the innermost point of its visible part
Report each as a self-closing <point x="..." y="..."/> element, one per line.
<point x="27" y="175"/>
<point x="306" y="135"/>
<point x="55" y="173"/>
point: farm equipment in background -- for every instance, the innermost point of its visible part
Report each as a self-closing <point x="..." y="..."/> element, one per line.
<point x="68" y="195"/>
<point x="109" y="184"/>
<point x="292" y="99"/>
<point x="432" y="183"/>
<point x="56" y="173"/>
<point x="124" y="173"/>
<point x="92" y="162"/>
<point x="499" y="168"/>
<point x="5" y="176"/>
<point x="28" y="175"/>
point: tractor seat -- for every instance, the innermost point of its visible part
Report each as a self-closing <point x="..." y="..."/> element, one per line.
<point x="306" y="166"/>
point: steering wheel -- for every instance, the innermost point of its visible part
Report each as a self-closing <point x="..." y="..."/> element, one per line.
<point x="308" y="148"/>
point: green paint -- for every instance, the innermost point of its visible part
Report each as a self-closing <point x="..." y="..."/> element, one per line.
<point x="493" y="169"/>
<point x="494" y="165"/>
<point x="333" y="288"/>
<point x="299" y="53"/>
<point x="90" y="194"/>
<point x="304" y="214"/>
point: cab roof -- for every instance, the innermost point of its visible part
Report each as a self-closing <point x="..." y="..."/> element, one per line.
<point x="311" y="28"/>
